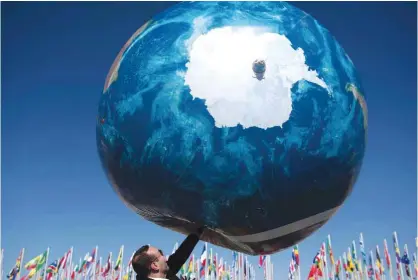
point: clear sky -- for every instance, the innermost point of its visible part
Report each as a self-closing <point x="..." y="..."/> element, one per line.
<point x="55" y="58"/>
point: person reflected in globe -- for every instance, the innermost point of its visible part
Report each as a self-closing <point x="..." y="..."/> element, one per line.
<point x="149" y="262"/>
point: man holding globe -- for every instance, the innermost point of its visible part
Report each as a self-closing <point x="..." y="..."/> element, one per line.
<point x="150" y="263"/>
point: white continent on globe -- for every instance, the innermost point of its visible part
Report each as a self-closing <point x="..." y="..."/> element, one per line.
<point x="220" y="72"/>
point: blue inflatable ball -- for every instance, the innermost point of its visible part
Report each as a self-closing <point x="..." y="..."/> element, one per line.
<point x="190" y="135"/>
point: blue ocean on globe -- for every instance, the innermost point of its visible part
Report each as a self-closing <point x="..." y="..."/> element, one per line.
<point x="189" y="135"/>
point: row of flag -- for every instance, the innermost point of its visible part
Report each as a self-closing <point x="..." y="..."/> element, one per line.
<point x="64" y="268"/>
<point x="348" y="266"/>
<point x="359" y="267"/>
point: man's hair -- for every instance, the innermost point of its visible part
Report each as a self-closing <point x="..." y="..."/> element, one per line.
<point x="141" y="262"/>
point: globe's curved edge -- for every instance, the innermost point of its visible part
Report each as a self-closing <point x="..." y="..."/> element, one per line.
<point x="113" y="71"/>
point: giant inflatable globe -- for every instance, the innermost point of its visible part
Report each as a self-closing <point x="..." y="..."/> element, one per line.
<point x="246" y="117"/>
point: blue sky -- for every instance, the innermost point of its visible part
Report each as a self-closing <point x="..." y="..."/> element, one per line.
<point x="55" y="58"/>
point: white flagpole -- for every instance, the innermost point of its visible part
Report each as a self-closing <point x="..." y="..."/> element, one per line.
<point x="268" y="264"/>
<point x="95" y="262"/>
<point x="100" y="268"/>
<point x="69" y="266"/>
<point x="1" y="264"/>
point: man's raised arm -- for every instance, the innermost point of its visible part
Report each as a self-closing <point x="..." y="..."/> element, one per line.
<point x="180" y="256"/>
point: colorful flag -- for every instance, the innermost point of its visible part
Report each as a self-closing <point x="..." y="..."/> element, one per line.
<point x="295" y="255"/>
<point x="203" y="260"/>
<point x="261" y="261"/>
<point x="397" y="255"/>
<point x="338" y="269"/>
<point x="354" y="255"/>
<point x="370" y="270"/>
<point x="63" y="261"/>
<point x="42" y="260"/>
<point x="119" y="259"/>
<point x="405" y="260"/>
<point x="16" y="269"/>
<point x="387" y="256"/>
<point x="52" y="268"/>
<point x="33" y="262"/>
<point x="329" y="251"/>
<point x="108" y="266"/>
<point x="379" y="264"/>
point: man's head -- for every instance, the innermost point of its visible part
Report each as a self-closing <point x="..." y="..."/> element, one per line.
<point x="149" y="261"/>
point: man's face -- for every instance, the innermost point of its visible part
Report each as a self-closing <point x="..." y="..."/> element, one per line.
<point x="160" y="262"/>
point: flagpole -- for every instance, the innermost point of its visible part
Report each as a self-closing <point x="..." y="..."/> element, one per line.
<point x="21" y="263"/>
<point x="395" y="237"/>
<point x="387" y="257"/>
<point x="1" y="264"/>
<point x="70" y="264"/>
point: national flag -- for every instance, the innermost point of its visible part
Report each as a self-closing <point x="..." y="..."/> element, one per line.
<point x="387" y="256"/>
<point x="295" y="255"/>
<point x="405" y="257"/>
<point x="203" y="259"/>
<point x="30" y="274"/>
<point x="350" y="264"/>
<point x="323" y="258"/>
<point x="379" y="261"/>
<point x="370" y="271"/>
<point x="52" y="268"/>
<point x="190" y="266"/>
<point x="338" y="269"/>
<point x="42" y="260"/>
<point x="63" y="261"/>
<point x="405" y="260"/>
<point x="16" y="269"/>
<point x="292" y="269"/>
<point x="261" y="261"/>
<point x="354" y="255"/>
<point x="221" y="270"/>
<point x="329" y="251"/>
<point x="97" y="272"/>
<point x="119" y="259"/>
<point x="108" y="266"/>
<point x="33" y="262"/>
